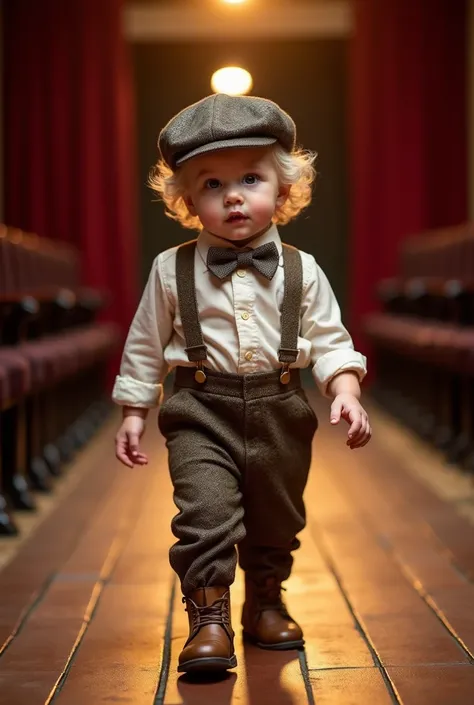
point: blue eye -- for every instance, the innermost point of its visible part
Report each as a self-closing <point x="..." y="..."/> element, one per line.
<point x="212" y="183"/>
<point x="250" y="179"/>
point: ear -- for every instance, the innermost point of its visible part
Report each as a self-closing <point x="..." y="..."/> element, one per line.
<point x="189" y="204"/>
<point x="283" y="193"/>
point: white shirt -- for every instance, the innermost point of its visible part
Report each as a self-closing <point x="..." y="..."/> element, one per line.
<point x="240" y="320"/>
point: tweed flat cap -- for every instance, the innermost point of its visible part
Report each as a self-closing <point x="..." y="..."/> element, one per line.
<point x="223" y="121"/>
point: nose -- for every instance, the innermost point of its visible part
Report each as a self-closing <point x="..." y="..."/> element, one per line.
<point x="232" y="197"/>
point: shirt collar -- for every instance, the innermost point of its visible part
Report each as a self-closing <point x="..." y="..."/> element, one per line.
<point x="206" y="240"/>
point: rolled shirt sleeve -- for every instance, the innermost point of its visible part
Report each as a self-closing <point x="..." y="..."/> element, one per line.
<point x="332" y="349"/>
<point x="143" y="368"/>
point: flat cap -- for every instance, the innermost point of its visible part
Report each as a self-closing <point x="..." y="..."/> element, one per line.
<point x="223" y="121"/>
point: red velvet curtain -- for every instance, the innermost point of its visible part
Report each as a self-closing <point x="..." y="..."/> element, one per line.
<point x="407" y="133"/>
<point x="69" y="136"/>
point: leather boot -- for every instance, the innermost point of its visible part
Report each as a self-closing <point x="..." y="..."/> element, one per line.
<point x="265" y="619"/>
<point x="210" y="646"/>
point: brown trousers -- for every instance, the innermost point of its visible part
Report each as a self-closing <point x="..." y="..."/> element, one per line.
<point x="239" y="455"/>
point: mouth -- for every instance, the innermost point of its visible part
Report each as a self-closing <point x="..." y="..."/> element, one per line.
<point x="236" y="217"/>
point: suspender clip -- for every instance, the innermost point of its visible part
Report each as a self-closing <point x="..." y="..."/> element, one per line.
<point x="200" y="375"/>
<point x="285" y="373"/>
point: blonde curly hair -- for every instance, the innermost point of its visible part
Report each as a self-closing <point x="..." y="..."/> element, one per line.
<point x="295" y="169"/>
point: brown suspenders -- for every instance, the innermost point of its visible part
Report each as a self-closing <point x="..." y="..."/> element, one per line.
<point x="290" y="313"/>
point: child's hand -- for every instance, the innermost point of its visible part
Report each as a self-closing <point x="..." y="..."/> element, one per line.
<point x="350" y="409"/>
<point x="127" y="441"/>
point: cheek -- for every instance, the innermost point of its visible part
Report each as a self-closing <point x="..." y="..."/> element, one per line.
<point x="264" y="201"/>
<point x="208" y="205"/>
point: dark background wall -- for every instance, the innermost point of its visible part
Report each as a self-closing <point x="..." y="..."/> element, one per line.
<point x="307" y="78"/>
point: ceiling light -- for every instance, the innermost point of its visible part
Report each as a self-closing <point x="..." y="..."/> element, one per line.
<point x="232" y="80"/>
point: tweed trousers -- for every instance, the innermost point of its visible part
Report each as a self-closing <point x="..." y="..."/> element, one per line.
<point x="239" y="455"/>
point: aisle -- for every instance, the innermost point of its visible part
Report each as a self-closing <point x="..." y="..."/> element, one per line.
<point x="90" y="612"/>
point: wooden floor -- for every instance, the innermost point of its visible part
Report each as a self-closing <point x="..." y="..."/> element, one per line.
<point x="383" y="586"/>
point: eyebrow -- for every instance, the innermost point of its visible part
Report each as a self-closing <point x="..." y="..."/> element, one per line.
<point x="202" y="173"/>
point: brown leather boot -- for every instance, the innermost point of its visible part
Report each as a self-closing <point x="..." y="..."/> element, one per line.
<point x="210" y="646"/>
<point x="265" y="619"/>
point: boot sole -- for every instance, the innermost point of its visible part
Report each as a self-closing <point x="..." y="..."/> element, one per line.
<point x="208" y="665"/>
<point x="279" y="646"/>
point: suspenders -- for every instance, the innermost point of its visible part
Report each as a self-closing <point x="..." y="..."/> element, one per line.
<point x="290" y="313"/>
<point x="195" y="348"/>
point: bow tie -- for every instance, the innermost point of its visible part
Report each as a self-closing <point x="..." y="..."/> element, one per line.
<point x="222" y="261"/>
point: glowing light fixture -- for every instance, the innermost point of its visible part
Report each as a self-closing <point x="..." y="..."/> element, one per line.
<point x="234" y="2"/>
<point x="232" y="80"/>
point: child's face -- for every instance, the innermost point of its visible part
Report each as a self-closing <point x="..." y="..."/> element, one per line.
<point x="234" y="192"/>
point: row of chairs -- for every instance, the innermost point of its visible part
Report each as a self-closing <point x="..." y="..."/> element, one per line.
<point x="53" y="358"/>
<point x="424" y="340"/>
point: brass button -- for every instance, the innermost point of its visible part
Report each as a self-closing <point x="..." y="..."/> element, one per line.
<point x="241" y="272"/>
<point x="200" y="376"/>
<point x="249" y="355"/>
<point x="245" y="316"/>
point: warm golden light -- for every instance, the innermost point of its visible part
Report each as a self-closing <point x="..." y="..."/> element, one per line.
<point x="234" y="2"/>
<point x="232" y="80"/>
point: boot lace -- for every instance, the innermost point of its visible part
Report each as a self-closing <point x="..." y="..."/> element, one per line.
<point x="217" y="613"/>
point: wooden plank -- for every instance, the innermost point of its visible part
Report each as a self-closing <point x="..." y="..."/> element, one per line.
<point x="332" y="637"/>
<point x="434" y="685"/>
<point x="54" y="629"/>
<point x="121" y="654"/>
<point x="28" y="688"/>
<point x="406" y="492"/>
<point x="399" y="624"/>
<point x="145" y="559"/>
<point x="132" y="686"/>
<point x="46" y="503"/>
<point x="403" y="535"/>
<point x="25" y="579"/>
<point x="49" y="641"/>
<point x="350" y="686"/>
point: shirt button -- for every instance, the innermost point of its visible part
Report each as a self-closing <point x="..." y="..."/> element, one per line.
<point x="241" y="272"/>
<point x="245" y="316"/>
<point x="249" y="355"/>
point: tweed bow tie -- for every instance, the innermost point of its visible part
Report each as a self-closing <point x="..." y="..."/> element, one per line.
<point x="222" y="261"/>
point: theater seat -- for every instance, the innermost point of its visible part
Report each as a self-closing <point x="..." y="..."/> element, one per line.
<point x="18" y="375"/>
